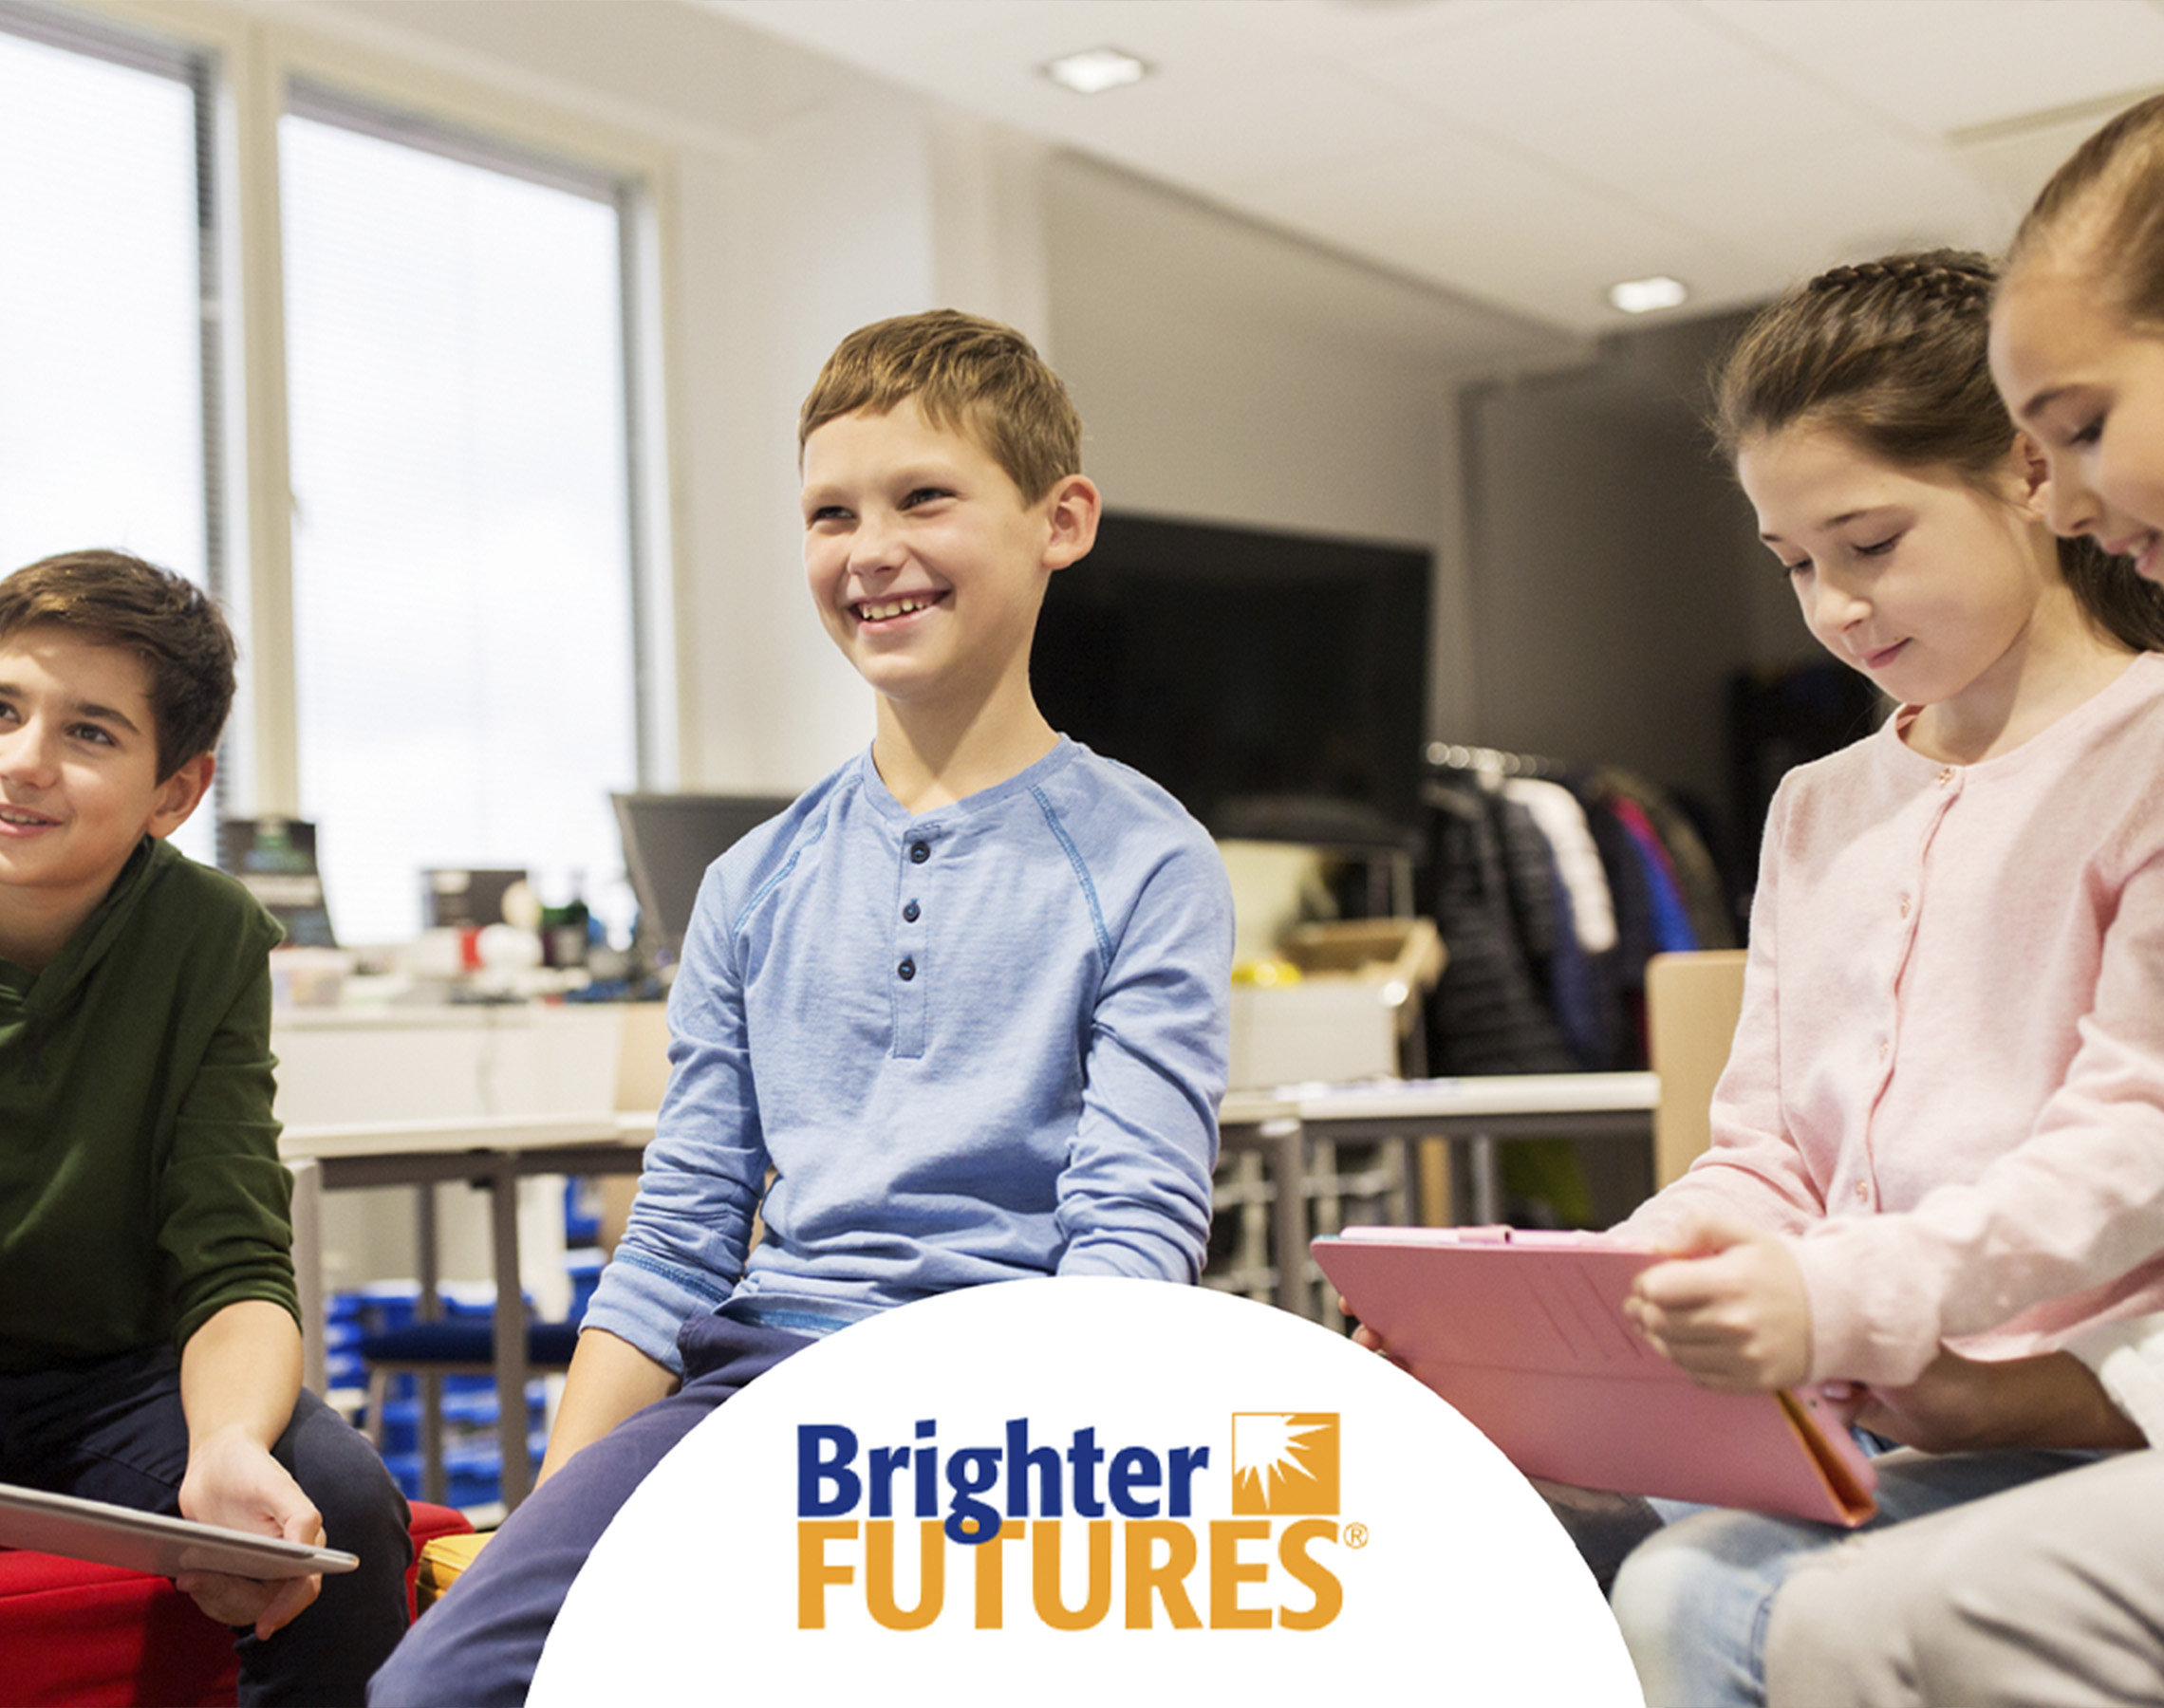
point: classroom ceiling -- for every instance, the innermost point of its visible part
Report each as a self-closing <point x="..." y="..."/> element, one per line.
<point x="1529" y="154"/>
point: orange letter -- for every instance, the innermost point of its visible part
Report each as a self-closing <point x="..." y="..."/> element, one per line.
<point x="1228" y="1572"/>
<point x="1044" y="1576"/>
<point x="1321" y="1582"/>
<point x="1167" y="1581"/>
<point x="879" y="1575"/>
<point x="812" y="1572"/>
<point x="992" y="1575"/>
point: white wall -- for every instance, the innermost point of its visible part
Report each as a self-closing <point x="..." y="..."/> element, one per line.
<point x="1224" y="371"/>
<point x="1621" y="582"/>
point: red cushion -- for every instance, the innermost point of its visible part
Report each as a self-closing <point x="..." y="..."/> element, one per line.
<point x="74" y="1633"/>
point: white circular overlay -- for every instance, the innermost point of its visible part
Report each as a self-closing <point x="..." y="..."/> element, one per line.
<point x="1060" y="1490"/>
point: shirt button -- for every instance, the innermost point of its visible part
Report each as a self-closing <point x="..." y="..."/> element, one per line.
<point x="919" y="852"/>
<point x="1883" y="1048"/>
<point x="1863" y="1193"/>
<point x="1904" y="907"/>
<point x="907" y="970"/>
<point x="910" y="913"/>
<point x="1945" y="776"/>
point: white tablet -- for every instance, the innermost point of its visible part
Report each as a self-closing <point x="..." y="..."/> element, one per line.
<point x="112" y="1535"/>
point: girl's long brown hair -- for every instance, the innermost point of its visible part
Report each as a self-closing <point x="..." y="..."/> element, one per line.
<point x="1894" y="353"/>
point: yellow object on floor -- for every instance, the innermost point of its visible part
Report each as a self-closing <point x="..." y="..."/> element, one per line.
<point x="441" y="1561"/>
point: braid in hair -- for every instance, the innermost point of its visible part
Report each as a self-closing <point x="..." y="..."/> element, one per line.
<point x="1952" y="276"/>
<point x="1893" y="354"/>
<point x="1891" y="351"/>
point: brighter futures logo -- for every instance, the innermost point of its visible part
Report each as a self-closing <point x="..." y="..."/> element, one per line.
<point x="1073" y="1533"/>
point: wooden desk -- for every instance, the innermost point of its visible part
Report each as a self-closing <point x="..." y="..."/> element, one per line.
<point x="491" y="1153"/>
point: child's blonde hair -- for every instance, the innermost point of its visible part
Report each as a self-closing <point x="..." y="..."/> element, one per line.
<point x="1894" y="355"/>
<point x="2108" y="198"/>
<point x="969" y="375"/>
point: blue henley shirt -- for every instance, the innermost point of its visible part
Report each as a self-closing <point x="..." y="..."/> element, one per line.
<point x="979" y="1045"/>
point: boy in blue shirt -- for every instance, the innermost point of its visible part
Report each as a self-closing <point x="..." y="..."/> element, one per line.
<point x="150" y="1346"/>
<point x="966" y="997"/>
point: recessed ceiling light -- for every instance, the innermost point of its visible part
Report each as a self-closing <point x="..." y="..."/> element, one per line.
<point x="1093" y="72"/>
<point x="1642" y="296"/>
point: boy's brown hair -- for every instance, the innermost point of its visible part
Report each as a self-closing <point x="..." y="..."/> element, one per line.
<point x="165" y="620"/>
<point x="970" y="376"/>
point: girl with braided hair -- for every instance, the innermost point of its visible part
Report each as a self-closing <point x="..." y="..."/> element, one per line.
<point x="2049" y="1595"/>
<point x="1939" y="1143"/>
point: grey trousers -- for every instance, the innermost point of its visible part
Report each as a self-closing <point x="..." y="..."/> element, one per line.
<point x="2050" y="1595"/>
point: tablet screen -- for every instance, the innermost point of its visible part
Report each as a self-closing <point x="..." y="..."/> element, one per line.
<point x="112" y="1535"/>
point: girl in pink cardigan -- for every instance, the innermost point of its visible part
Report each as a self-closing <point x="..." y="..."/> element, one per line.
<point x="2053" y="1593"/>
<point x="1941" y="1131"/>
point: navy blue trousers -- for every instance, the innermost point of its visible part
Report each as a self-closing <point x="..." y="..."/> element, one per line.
<point x="479" y="1644"/>
<point x="113" y="1431"/>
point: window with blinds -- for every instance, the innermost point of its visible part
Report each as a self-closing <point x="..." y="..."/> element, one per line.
<point x="109" y="304"/>
<point x="464" y="571"/>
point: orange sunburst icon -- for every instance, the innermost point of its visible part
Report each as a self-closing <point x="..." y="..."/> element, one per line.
<point x="1284" y="1463"/>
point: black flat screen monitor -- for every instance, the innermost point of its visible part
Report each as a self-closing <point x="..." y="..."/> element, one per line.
<point x="1276" y="683"/>
<point x="669" y="841"/>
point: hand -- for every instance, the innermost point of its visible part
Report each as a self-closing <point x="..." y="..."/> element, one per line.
<point x="1963" y="1404"/>
<point x="232" y="1480"/>
<point x="1362" y="1334"/>
<point x="1731" y="1310"/>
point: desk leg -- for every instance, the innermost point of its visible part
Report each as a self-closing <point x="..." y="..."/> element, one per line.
<point x="510" y="1337"/>
<point x="1487" y="1179"/>
<point x="429" y="1308"/>
<point x="307" y="1271"/>
<point x="1289" y="1212"/>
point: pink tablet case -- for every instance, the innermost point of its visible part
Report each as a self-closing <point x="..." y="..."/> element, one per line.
<point x="1525" y="1334"/>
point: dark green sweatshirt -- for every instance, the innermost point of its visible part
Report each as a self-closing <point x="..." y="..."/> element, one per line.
<point x="140" y="1190"/>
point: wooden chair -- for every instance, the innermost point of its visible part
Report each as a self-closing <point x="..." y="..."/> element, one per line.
<point x="1691" y="1004"/>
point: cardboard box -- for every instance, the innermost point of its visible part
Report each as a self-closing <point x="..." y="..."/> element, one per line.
<point x="1342" y="1019"/>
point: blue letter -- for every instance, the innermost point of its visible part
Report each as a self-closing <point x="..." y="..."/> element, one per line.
<point x="815" y="1466"/>
<point x="969" y="1473"/>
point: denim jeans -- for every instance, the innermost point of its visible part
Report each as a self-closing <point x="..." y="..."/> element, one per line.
<point x="1695" y="1598"/>
<point x="113" y="1431"/>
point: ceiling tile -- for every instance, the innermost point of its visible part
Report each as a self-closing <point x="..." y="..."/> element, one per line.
<point x="1619" y="93"/>
<point x="1939" y="68"/>
<point x="1846" y="196"/>
<point x="1531" y="152"/>
<point x="1222" y="99"/>
<point x="1509" y="231"/>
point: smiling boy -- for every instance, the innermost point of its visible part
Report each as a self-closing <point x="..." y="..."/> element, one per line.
<point x="966" y="998"/>
<point x="150" y="1348"/>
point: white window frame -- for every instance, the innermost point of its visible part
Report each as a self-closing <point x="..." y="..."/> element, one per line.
<point x="257" y="60"/>
<point x="97" y="35"/>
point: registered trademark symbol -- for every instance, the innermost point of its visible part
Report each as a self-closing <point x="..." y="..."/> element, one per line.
<point x="1356" y="1536"/>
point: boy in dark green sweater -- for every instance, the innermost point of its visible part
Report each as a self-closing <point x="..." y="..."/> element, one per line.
<point x="150" y="1348"/>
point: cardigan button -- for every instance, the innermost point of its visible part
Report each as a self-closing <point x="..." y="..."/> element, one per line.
<point x="907" y="970"/>
<point x="919" y="852"/>
<point x="910" y="912"/>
